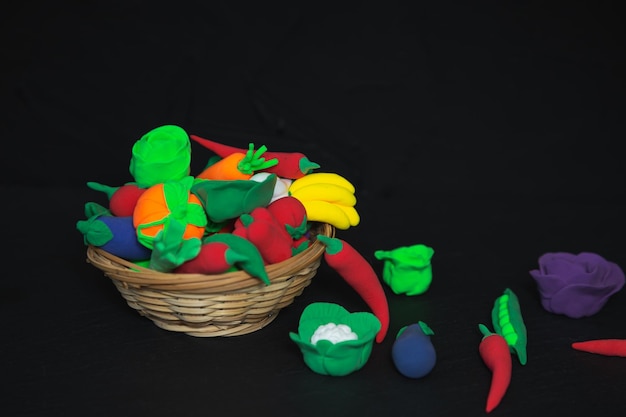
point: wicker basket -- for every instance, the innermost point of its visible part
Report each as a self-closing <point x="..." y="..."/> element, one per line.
<point x="229" y="304"/>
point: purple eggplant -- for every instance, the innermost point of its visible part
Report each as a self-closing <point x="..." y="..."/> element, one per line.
<point x="413" y="352"/>
<point x="114" y="234"/>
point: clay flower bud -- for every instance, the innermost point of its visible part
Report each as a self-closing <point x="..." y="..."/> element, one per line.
<point x="576" y="285"/>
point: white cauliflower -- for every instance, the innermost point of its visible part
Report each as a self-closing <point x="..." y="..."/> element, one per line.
<point x="281" y="188"/>
<point x="334" y="333"/>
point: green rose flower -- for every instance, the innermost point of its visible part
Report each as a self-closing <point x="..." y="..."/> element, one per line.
<point x="161" y="155"/>
<point x="334" y="341"/>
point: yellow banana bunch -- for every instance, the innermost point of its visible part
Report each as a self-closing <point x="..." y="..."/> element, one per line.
<point x="321" y="177"/>
<point x="327" y="197"/>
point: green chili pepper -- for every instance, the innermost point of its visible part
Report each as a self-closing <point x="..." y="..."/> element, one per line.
<point x="509" y="323"/>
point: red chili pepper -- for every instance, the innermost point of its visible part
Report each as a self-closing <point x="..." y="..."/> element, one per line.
<point x="607" y="347"/>
<point x="211" y="259"/>
<point x="495" y="353"/>
<point x="359" y="274"/>
<point x="291" y="165"/>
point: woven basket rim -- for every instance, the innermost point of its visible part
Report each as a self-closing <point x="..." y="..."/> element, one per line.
<point x="134" y="275"/>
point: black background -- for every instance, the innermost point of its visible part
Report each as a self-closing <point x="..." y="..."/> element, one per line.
<point x="488" y="131"/>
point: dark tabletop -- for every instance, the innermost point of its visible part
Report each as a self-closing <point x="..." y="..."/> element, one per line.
<point x="488" y="132"/>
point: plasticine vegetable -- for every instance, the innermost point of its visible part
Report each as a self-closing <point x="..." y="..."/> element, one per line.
<point x="576" y="285"/>
<point x="249" y="260"/>
<point x="290" y="165"/>
<point x="413" y="352"/>
<point x="269" y="236"/>
<point x="213" y="258"/>
<point x="170" y="249"/>
<point x="226" y="200"/>
<point x="290" y="212"/>
<point x="238" y="165"/>
<point x="606" y="347"/>
<point x="508" y="322"/>
<point x="162" y="201"/>
<point x="407" y="269"/>
<point x="163" y="154"/>
<point x="281" y="189"/>
<point x="122" y="199"/>
<point x="495" y="353"/>
<point x="360" y="275"/>
<point x="115" y="235"/>
<point x="342" y="355"/>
